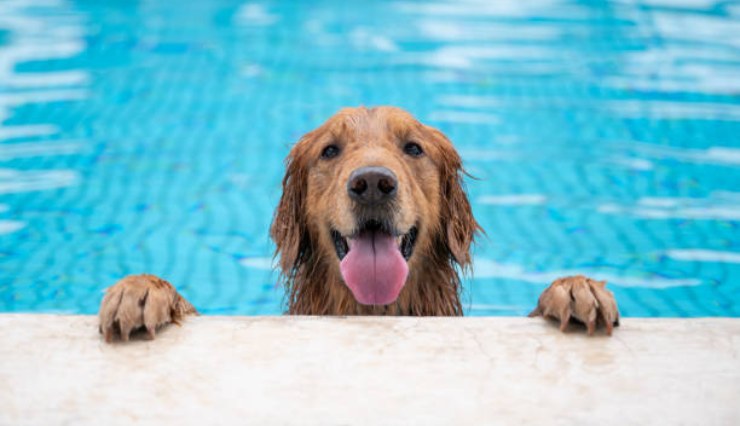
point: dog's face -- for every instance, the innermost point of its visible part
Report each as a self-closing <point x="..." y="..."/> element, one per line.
<point x="376" y="195"/>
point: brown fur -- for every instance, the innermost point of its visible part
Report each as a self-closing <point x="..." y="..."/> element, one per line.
<point x="430" y="193"/>
<point x="429" y="196"/>
<point x="140" y="302"/>
<point x="581" y="298"/>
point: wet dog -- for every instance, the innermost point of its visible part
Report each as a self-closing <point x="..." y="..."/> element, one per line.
<point x="373" y="220"/>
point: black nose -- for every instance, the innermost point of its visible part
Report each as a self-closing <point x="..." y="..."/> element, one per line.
<point x="372" y="185"/>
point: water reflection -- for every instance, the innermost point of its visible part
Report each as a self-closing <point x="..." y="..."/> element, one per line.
<point x="36" y="32"/>
<point x="140" y="136"/>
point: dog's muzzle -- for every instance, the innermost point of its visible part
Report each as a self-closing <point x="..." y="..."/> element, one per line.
<point x="372" y="186"/>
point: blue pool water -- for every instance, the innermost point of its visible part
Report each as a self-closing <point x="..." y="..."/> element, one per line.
<point x="149" y="137"/>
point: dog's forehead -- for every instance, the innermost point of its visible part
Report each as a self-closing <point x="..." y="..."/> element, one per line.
<point x="364" y="122"/>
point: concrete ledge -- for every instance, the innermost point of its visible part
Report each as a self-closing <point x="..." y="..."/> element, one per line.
<point x="302" y="370"/>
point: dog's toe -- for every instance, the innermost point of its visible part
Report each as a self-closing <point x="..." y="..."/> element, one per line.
<point x="581" y="299"/>
<point x="140" y="302"/>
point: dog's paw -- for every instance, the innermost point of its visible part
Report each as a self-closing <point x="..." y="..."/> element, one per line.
<point x="140" y="301"/>
<point x="579" y="298"/>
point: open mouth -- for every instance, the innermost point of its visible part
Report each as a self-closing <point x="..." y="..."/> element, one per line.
<point x="406" y="242"/>
<point x="373" y="261"/>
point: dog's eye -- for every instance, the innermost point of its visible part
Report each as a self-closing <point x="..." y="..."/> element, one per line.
<point x="330" y="151"/>
<point x="413" y="149"/>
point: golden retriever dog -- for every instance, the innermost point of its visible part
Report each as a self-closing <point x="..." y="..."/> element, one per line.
<point x="373" y="220"/>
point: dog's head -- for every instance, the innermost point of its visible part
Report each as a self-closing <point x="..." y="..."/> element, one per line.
<point x="375" y="196"/>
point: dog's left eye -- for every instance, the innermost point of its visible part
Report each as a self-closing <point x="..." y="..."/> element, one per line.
<point x="413" y="149"/>
<point x="330" y="151"/>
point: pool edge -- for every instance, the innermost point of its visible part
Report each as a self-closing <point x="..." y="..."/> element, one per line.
<point x="369" y="370"/>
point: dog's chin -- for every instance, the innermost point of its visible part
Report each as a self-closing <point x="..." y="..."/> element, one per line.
<point x="374" y="261"/>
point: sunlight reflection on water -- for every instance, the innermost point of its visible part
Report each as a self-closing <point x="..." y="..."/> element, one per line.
<point x="143" y="137"/>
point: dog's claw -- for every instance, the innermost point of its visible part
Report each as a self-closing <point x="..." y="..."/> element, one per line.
<point x="140" y="301"/>
<point x="580" y="298"/>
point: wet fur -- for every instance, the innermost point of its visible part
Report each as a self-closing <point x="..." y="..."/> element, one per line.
<point x="430" y="196"/>
<point x="432" y="192"/>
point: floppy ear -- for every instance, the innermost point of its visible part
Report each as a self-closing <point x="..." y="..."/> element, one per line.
<point x="458" y="223"/>
<point x="289" y="227"/>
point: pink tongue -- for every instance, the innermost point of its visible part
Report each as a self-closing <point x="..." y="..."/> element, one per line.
<point x="374" y="268"/>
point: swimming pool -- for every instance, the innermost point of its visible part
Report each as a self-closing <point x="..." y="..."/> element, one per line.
<point x="147" y="137"/>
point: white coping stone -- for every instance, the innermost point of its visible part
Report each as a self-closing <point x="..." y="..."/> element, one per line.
<point x="55" y="369"/>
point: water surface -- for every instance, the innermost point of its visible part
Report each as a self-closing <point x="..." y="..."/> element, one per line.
<point x="149" y="137"/>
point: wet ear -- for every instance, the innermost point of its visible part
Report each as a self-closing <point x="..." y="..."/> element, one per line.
<point x="289" y="230"/>
<point x="459" y="225"/>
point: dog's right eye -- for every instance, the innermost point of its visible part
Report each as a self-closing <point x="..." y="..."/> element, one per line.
<point x="330" y="151"/>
